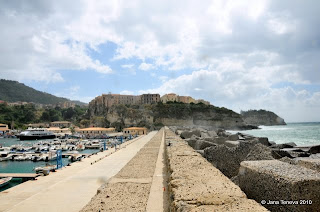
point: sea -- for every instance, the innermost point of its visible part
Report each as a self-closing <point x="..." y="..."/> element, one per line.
<point x="302" y="134"/>
<point x="26" y="166"/>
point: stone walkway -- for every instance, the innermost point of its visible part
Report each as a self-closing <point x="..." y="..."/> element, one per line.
<point x="139" y="181"/>
<point x="71" y="188"/>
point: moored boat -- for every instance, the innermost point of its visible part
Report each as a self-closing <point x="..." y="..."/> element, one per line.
<point x="35" y="134"/>
<point x="4" y="181"/>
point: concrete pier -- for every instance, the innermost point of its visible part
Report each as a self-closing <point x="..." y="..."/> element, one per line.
<point x="71" y="188"/>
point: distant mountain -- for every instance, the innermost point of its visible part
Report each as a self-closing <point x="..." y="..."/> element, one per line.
<point x="13" y="91"/>
<point x="262" y="117"/>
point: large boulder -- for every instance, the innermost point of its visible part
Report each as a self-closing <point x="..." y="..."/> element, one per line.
<point x="188" y="134"/>
<point x="264" y="141"/>
<point x="314" y="149"/>
<point x="228" y="159"/>
<point x="285" y="145"/>
<point x="233" y="137"/>
<point x="212" y="133"/>
<point x="273" y="183"/>
<point x="259" y="152"/>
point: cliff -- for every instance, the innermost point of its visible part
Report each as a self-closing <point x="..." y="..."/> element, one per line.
<point x="170" y="114"/>
<point x="261" y="117"/>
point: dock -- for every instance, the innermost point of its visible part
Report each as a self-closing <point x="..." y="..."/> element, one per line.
<point x="25" y="176"/>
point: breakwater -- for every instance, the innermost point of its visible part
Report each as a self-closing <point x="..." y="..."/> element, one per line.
<point x="195" y="185"/>
<point x="282" y="177"/>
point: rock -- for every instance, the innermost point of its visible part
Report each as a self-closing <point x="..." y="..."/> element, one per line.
<point x="212" y="133"/>
<point x="264" y="141"/>
<point x="198" y="143"/>
<point x="281" y="153"/>
<point x="204" y="135"/>
<point x="309" y="163"/>
<point x="188" y="134"/>
<point x="219" y="140"/>
<point x="272" y="143"/>
<point x="259" y="152"/>
<point x="232" y="143"/>
<point x="202" y="144"/>
<point x="233" y="137"/>
<point x="314" y="149"/>
<point x="273" y="180"/>
<point x="223" y="133"/>
<point x="285" y="145"/>
<point x="288" y="160"/>
<point x="315" y="156"/>
<point x="228" y="159"/>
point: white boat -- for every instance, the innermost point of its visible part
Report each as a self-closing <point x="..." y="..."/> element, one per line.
<point x="4" y="181"/>
<point x="36" y="133"/>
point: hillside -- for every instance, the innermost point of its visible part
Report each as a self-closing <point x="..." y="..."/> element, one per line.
<point x="13" y="91"/>
<point x="262" y="117"/>
<point x="169" y="114"/>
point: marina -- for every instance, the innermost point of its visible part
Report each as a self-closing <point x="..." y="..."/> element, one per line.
<point x="26" y="160"/>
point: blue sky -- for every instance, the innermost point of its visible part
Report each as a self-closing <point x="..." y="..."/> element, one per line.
<point x="241" y="55"/>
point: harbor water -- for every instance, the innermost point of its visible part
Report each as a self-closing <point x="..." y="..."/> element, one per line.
<point x="303" y="134"/>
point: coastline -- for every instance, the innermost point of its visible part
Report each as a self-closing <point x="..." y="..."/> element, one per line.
<point x="301" y="133"/>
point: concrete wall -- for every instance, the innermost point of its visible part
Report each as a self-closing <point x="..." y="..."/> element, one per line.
<point x="196" y="185"/>
<point x="272" y="182"/>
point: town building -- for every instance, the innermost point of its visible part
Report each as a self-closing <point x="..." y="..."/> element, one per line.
<point x="150" y="98"/>
<point x="134" y="131"/>
<point x="186" y="99"/>
<point x="38" y="125"/>
<point x="170" y="97"/>
<point x="59" y="130"/>
<point x="116" y="99"/>
<point x="4" y="128"/>
<point x="94" y="131"/>
<point x="61" y="124"/>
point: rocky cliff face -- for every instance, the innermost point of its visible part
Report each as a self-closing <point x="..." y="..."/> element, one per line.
<point x="261" y="117"/>
<point x="172" y="114"/>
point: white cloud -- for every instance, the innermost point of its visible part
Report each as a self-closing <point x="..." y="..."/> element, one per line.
<point x="129" y="66"/>
<point x="126" y="92"/>
<point x="146" y="66"/>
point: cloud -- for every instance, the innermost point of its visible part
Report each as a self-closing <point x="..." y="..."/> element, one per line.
<point x="129" y="66"/>
<point x="37" y="46"/>
<point x="126" y="92"/>
<point x="146" y="66"/>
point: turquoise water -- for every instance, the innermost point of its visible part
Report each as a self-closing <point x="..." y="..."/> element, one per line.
<point x="26" y="166"/>
<point x="303" y="134"/>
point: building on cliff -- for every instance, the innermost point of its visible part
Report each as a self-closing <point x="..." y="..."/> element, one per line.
<point x="150" y="98"/>
<point x="108" y="100"/>
<point x="186" y="99"/>
<point x="171" y="97"/>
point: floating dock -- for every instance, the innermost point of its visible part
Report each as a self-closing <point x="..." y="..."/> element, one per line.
<point x="25" y="176"/>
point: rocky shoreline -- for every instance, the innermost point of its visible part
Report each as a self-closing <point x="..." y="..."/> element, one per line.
<point x="263" y="169"/>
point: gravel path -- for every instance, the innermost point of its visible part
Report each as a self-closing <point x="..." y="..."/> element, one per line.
<point x="129" y="189"/>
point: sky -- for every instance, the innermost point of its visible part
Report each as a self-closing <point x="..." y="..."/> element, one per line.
<point x="241" y="55"/>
